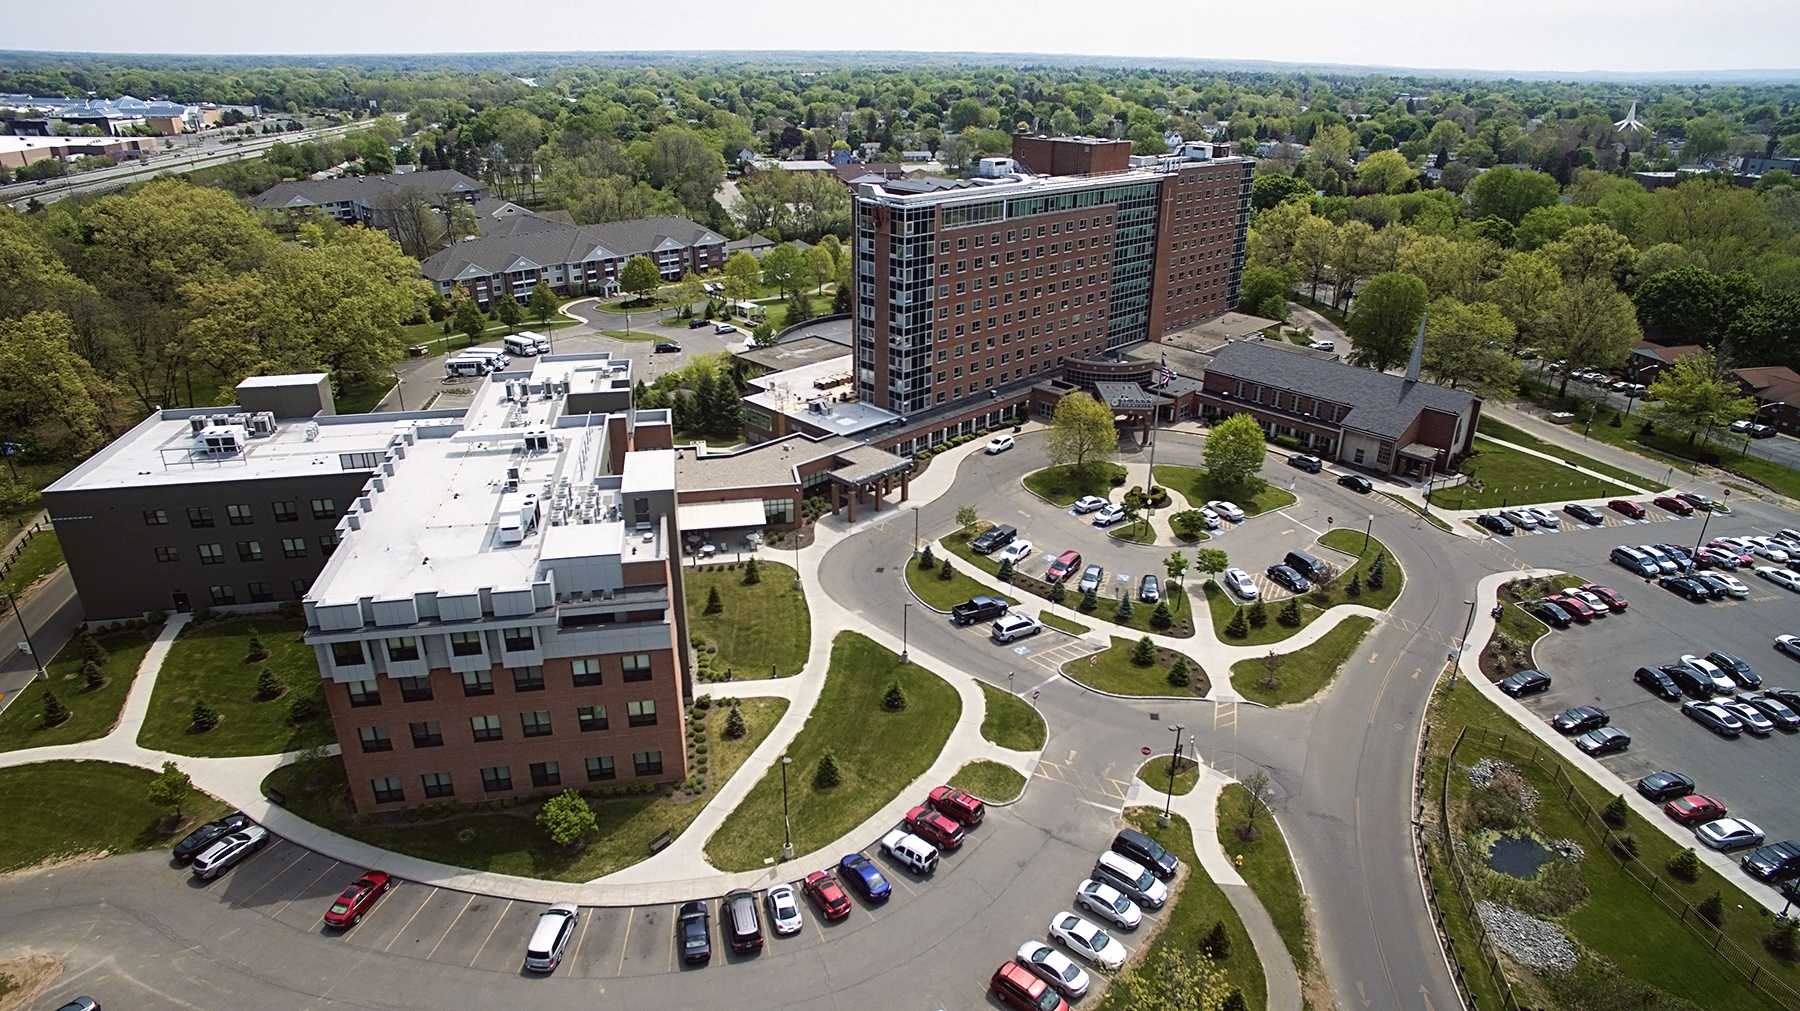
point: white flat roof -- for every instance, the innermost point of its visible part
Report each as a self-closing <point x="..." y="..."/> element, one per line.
<point x="722" y="515"/>
<point x="158" y="450"/>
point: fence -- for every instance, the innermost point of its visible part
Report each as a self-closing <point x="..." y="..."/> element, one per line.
<point x="1723" y="948"/>
<point x="12" y="557"/>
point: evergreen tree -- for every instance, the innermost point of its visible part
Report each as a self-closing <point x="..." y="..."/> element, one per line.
<point x="1216" y="943"/>
<point x="55" y="713"/>
<point x="1090" y="599"/>
<point x="1290" y="613"/>
<point x="926" y="561"/>
<point x="204" y="717"/>
<point x="828" y="775"/>
<point x="735" y="727"/>
<point x="1378" y="571"/>
<point x="713" y="604"/>
<point x="685" y="413"/>
<point x="946" y="573"/>
<point x="257" y="652"/>
<point x="1179" y="675"/>
<point x="1355" y="587"/>
<point x="1006" y="571"/>
<point x="1144" y="653"/>
<point x="752" y="573"/>
<point x="91" y="650"/>
<point x="302" y="709"/>
<point x="1712" y="909"/>
<point x="894" y="699"/>
<point x="1236" y="627"/>
<point x="1161" y="617"/>
<point x="266" y="685"/>
<point x="1123" y="612"/>
<point x="1259" y="614"/>
<point x="1058" y="592"/>
<point x="92" y="676"/>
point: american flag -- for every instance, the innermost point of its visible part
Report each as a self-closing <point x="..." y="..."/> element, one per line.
<point x="1165" y="374"/>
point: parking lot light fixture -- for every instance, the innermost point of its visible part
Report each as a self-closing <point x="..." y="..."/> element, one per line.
<point x="1463" y="647"/>
<point x="905" y="613"/>
<point x="787" y="825"/>
<point x="1174" y="760"/>
<point x="1368" y="532"/>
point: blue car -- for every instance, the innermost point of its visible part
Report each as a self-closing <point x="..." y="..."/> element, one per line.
<point x="865" y="877"/>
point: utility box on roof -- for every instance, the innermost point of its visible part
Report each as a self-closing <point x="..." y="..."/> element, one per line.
<point x="299" y="396"/>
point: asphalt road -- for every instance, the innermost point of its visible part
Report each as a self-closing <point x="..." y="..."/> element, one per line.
<point x="51" y="613"/>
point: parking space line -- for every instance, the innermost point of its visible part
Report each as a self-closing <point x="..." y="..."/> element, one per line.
<point x="269" y="849"/>
<point x="410" y="919"/>
<point x="334" y="866"/>
<point x="451" y="927"/>
<point x="575" y="958"/>
<point x="626" y="944"/>
<point x="490" y="934"/>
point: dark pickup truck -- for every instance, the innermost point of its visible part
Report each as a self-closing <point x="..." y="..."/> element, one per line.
<point x="978" y="609"/>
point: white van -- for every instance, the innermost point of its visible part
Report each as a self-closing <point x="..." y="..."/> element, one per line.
<point x="464" y="365"/>
<point x="554" y="928"/>
<point x="497" y="359"/>
<point x="1130" y="877"/>
<point x="912" y="852"/>
<point x="525" y="344"/>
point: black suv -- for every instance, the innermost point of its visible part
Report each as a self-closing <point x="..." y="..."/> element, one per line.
<point x="738" y="913"/>
<point x="1774" y="862"/>
<point x="666" y="348"/>
<point x="1526" y="682"/>
<point x="978" y="609"/>
<point x="1661" y="685"/>
<point x="993" y="539"/>
<point x="1146" y="851"/>
<point x="1689" y="681"/>
<point x="1286" y="576"/>
<point x="695" y="324"/>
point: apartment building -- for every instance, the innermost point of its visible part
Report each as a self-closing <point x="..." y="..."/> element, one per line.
<point x="967" y="286"/>
<point x="512" y="255"/>
<point x="369" y="200"/>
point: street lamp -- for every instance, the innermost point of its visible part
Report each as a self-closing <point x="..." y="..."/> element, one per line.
<point x="1369" y="531"/>
<point x="1174" y="759"/>
<point x="787" y="826"/>
<point x="29" y="648"/>
<point x="915" y="531"/>
<point x="1464" y="645"/>
<point x="1009" y="687"/>
<point x="905" y="613"/>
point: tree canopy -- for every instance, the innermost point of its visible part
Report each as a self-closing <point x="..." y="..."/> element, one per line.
<point x="1082" y="432"/>
<point x="1386" y="320"/>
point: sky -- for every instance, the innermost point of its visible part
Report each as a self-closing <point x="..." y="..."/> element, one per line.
<point x="1558" y="36"/>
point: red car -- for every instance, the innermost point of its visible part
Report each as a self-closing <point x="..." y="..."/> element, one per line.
<point x="958" y="805"/>
<point x="1674" y="505"/>
<point x="1615" y="601"/>
<point x="1694" y="809"/>
<point x="349" y="907"/>
<point x="1627" y="508"/>
<point x="1065" y="564"/>
<point x="825" y="893"/>
<point x="1578" y="609"/>
<point x="1019" y="987"/>
<point x="935" y="826"/>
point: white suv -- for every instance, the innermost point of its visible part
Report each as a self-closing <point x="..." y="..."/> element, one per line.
<point x="229" y="850"/>
<point x="1016" y="626"/>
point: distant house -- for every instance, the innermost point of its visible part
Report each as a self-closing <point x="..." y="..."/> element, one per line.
<point x="1777" y="392"/>
<point x="366" y="199"/>
<point x="514" y="253"/>
<point x="1648" y="360"/>
<point x="918" y="156"/>
<point x="754" y="244"/>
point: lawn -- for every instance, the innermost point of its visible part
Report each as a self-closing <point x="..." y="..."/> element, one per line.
<point x="878" y="754"/>
<point x="1062" y="484"/>
<point x="763" y="625"/>
<point x="56" y="810"/>
<point x="1192" y="910"/>
<point x="1060" y="622"/>
<point x="1010" y="721"/>
<point x="1137" y="532"/>
<point x="1155" y="774"/>
<point x="1496" y="429"/>
<point x="1112" y="670"/>
<point x="509" y="841"/>
<point x="990" y="781"/>
<point x="363" y="397"/>
<point x="1224" y="607"/>
<point x="1304" y="672"/>
<point x="942" y="593"/>
<point x="1105" y="606"/>
<point x="208" y="663"/>
<point x="1365" y="548"/>
<point x="22" y="725"/>
<point x="41" y="556"/>
<point x="1200" y="489"/>
<point x="1269" y="871"/>
<point x="1500" y="476"/>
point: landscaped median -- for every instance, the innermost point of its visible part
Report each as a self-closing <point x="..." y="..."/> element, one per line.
<point x="1139" y="667"/>
<point x="1155" y="774"/>
<point x="760" y="629"/>
<point x="1281" y="678"/>
<point x="854" y="755"/>
<point x="1140" y="618"/>
<point x="1010" y="721"/>
<point x="214" y="662"/>
<point x="1200" y="488"/>
<point x="92" y="712"/>
<point x="991" y="781"/>
<point x="1265" y="625"/>
<point x="1062" y="484"/>
<point x="925" y="577"/>
<point x="1256" y="845"/>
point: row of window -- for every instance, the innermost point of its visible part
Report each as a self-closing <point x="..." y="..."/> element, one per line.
<point x="430" y="733"/>
<point x="243" y="515"/>
<point x="249" y="551"/>
<point x="984" y="262"/>
<point x="1013" y="235"/>
<point x="498" y="779"/>
<point x="481" y="682"/>
<point x="400" y="648"/>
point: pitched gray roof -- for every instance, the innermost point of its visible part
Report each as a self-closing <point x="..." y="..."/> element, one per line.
<point x="1381" y="404"/>
<point x="302" y="192"/>
<point x="543" y="241"/>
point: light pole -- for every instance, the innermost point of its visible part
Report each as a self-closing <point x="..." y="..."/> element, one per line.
<point x="1368" y="532"/>
<point x="905" y="614"/>
<point x="1460" y="649"/>
<point x="787" y="826"/>
<point x="41" y="676"/>
<point x="915" y="531"/>
<point x="399" y="393"/>
<point x="1700" y="542"/>
<point x="1174" y="759"/>
<point x="1009" y="687"/>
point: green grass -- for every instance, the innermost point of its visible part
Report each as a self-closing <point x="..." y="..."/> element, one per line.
<point x="1190" y="914"/>
<point x="1010" y="721"/>
<point x="944" y="594"/>
<point x="1138" y="532"/>
<point x="1058" y="621"/>
<point x="1353" y="542"/>
<point x="631" y="335"/>
<point x="1496" y="429"/>
<point x="57" y="810"/>
<point x="1155" y="774"/>
<point x="1305" y="671"/>
<point x="958" y="545"/>
<point x="508" y="841"/>
<point x="1111" y="670"/>
<point x="683" y="438"/>
<point x="41" y="556"/>
<point x="209" y="663"/>
<point x="633" y="306"/>
<point x="879" y="753"/>
<point x="1224" y="607"/>
<point x="990" y="781"/>
<point x="22" y="725"/>
<point x="1268" y="870"/>
<point x="763" y="625"/>
<point x="1200" y="489"/>
<point x="1508" y="477"/>
<point x="438" y="342"/>
<point x="1062" y="484"/>
<point x="363" y="397"/>
<point x="1409" y="504"/>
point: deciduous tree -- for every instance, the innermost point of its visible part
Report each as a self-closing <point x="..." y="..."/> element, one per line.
<point x="566" y="817"/>
<point x="1234" y="451"/>
<point x="640" y="276"/>
<point x="1695" y="393"/>
<point x="1470" y="346"/>
<point x="1386" y="320"/>
<point x="1595" y="326"/>
<point x="170" y="788"/>
<point x="1081" y="432"/>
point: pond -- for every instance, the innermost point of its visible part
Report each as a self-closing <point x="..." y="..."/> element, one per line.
<point x="1518" y="856"/>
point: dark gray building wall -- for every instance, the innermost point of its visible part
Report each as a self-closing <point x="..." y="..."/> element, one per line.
<point x="112" y="549"/>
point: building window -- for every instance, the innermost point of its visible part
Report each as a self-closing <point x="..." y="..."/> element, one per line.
<point x="156" y="517"/>
<point x="600" y="767"/>
<point x="414" y="689"/>
<point x="239" y="515"/>
<point x="327" y="544"/>
<point x="485" y="728"/>
<point x="387" y="790"/>
<point x="347" y="654"/>
<point x="545" y="774"/>
<point x="1384" y="453"/>
<point x="359" y="461"/>
<point x="200" y="516"/>
<point x="222" y="595"/>
<point x="363" y="693"/>
<point x="591" y="718"/>
<point x="261" y="593"/>
<point x="536" y="724"/>
<point x="437" y="784"/>
<point x="528" y="679"/>
<point x="497" y="779"/>
<point x="427" y="735"/>
<point x="478" y="682"/>
<point x="517" y="640"/>
<point x="249" y="551"/>
<point x="286" y="513"/>
<point x="168" y="555"/>
<point x="465" y="644"/>
<point x="1359" y="455"/>
<point x="293" y="547"/>
<point x="324" y="509"/>
<point x="211" y="554"/>
<point x="647" y="763"/>
<point x="402" y="648"/>
<point x="641" y="714"/>
<point x="637" y="666"/>
<point x="374" y="739"/>
<point x="300" y="586"/>
<point x="586" y="671"/>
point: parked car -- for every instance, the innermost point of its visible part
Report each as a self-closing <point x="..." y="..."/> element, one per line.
<point x="550" y="938"/>
<point x="978" y="609"/>
<point x="998" y="444"/>
<point x="1495" y="524"/>
<point x="1239" y="582"/>
<point x="1665" y="785"/>
<point x="1228" y="510"/>
<point x="1591" y="599"/>
<point x="1548" y="613"/>
<point x="1697" y="500"/>
<point x="993" y="538"/>
<point x="1694" y="684"/>
<point x="1108" y="903"/>
<point x="1147" y="851"/>
<point x="1635" y="561"/>
<point x="1323" y="345"/>
<point x="739" y="919"/>
<point x="1526" y="682"/>
<point x="1780" y="577"/>
<point x="1769" y="551"/>
<point x="1778" y="712"/>
<point x="1791" y="646"/>
<point x="1150" y="589"/>
<point x="693" y="932"/>
<point x="199" y="839"/>
<point x="825" y="893"/>
<point x="725" y="328"/>
<point x="1356" y="483"/>
<point x="1580" y="719"/>
<point x="1614" y="599"/>
<point x="1716" y="587"/>
<point x="355" y="901"/>
<point x="1065" y="563"/>
<point x="1735" y="668"/>
<point x="1015" y="626"/>
<point x="784" y="910"/>
<point x="1729" y="834"/>
<point x="1627" y="508"/>
<point x="1286" y="576"/>
<point x="1015" y="552"/>
<point x="1674" y="505"/>
<point x="1716" y="558"/>
<point x="1694" y="809"/>
<point x="1732" y="585"/>
<point x="1586" y="514"/>
<point x="1092" y="578"/>
<point x="1519" y="518"/>
<point x="1751" y="717"/>
<point x="1774" y="862"/>
<point x="1109" y="514"/>
<point x="1661" y="685"/>
<point x="1132" y="878"/>
<point x="1578" y="609"/>
<point x="229" y="850"/>
<point x="79" y="1003"/>
<point x="1310" y="464"/>
<point x="1545" y="517"/>
<point x="1088" y="940"/>
<point x="964" y="807"/>
<point x="935" y="826"/>
<point x="1088" y="503"/>
<point x="1603" y="740"/>
<point x="865" y="877"/>
<point x="666" y="348"/>
<point x="1722" y="683"/>
<point x="1053" y="967"/>
<point x="1714" y="718"/>
<point x="1692" y="589"/>
<point x="1018" y="987"/>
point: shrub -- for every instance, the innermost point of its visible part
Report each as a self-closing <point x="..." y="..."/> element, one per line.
<point x="828" y="774"/>
<point x="1058" y="592"/>
<point x="566" y="817"/>
<point x="1217" y="943"/>
<point x="1355" y="587"/>
<point x="894" y="699"/>
<point x="1144" y="653"/>
<point x="946" y="573"/>
<point x="302" y="709"/>
<point x="1685" y="865"/>
<point x="1179" y="675"/>
<point x="1259" y="614"/>
<point x="926" y="561"/>
<point x="257" y="652"/>
<point x="1290" y="613"/>
<point x="1712" y="909"/>
<point x="752" y="573"/>
<point x="92" y="676"/>
<point x="55" y="713"/>
<point x="1123" y="612"/>
<point x="1237" y="628"/>
<point x="1006" y="571"/>
<point x="266" y="685"/>
<point x="1618" y="420"/>
<point x="1378" y="571"/>
<point x="1616" y="809"/>
<point x="735" y="727"/>
<point x="204" y="717"/>
<point x="1628" y="846"/>
<point x="1090" y="599"/>
<point x="91" y="650"/>
<point x="1162" y="617"/>
<point x="1784" y="939"/>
